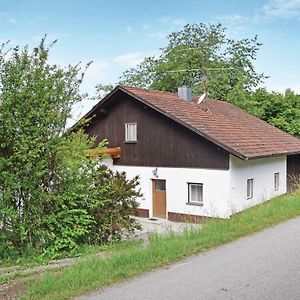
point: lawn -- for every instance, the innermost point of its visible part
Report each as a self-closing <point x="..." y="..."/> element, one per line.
<point x="89" y="274"/>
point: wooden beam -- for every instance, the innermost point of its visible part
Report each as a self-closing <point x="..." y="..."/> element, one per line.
<point x="95" y="153"/>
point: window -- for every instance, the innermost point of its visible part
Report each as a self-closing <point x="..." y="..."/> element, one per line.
<point x="276" y="181"/>
<point x="195" y="193"/>
<point x="250" y="183"/>
<point x="160" y="185"/>
<point x="130" y="132"/>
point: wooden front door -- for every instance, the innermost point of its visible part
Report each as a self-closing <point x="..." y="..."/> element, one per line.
<point x="159" y="198"/>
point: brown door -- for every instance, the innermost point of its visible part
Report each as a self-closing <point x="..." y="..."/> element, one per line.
<point x="159" y="198"/>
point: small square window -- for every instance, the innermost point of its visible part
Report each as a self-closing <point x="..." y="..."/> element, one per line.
<point x="276" y="181"/>
<point x="160" y="185"/>
<point x="130" y="132"/>
<point x="250" y="183"/>
<point x="195" y="193"/>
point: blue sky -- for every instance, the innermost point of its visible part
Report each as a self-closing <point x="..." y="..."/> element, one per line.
<point x="118" y="34"/>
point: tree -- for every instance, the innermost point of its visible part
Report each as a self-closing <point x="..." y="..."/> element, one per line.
<point x="204" y="58"/>
<point x="200" y="56"/>
<point x="49" y="190"/>
<point x="280" y="110"/>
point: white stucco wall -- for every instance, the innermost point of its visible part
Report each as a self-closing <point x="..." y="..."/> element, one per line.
<point x="216" y="188"/>
<point x="224" y="192"/>
<point x="262" y="171"/>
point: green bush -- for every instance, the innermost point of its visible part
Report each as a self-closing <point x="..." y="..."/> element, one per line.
<point x="52" y="197"/>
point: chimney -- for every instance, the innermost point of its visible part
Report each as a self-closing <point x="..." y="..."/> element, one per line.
<point x="185" y="93"/>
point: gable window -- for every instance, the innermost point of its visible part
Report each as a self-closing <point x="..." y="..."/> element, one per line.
<point x="250" y="183"/>
<point x="195" y="193"/>
<point x="276" y="181"/>
<point x="130" y="132"/>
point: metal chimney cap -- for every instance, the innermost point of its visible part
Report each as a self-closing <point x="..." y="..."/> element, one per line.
<point x="185" y="93"/>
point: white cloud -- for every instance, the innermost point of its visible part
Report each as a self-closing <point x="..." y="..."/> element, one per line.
<point x="129" y="59"/>
<point x="129" y="29"/>
<point x="282" y="9"/>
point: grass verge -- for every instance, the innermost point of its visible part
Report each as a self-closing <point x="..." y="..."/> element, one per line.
<point x="37" y="259"/>
<point x="32" y="258"/>
<point x="93" y="273"/>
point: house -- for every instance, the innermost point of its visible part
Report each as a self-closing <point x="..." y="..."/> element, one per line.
<point x="209" y="159"/>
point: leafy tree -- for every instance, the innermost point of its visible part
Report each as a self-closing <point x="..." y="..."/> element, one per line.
<point x="204" y="58"/>
<point x="280" y="110"/>
<point x="49" y="190"/>
<point x="200" y="56"/>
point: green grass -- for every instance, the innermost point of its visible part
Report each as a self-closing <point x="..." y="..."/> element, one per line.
<point x="32" y="258"/>
<point x="8" y="277"/>
<point x="93" y="273"/>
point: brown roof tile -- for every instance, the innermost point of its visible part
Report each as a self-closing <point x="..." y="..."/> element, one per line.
<point x="222" y="123"/>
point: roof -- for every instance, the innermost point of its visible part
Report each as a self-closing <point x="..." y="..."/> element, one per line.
<point x="222" y="123"/>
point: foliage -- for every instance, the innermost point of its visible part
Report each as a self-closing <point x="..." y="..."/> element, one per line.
<point x="111" y="202"/>
<point x="283" y="111"/>
<point x="280" y="110"/>
<point x="93" y="272"/>
<point x="49" y="190"/>
<point x="202" y="57"/>
<point x="102" y="90"/>
<point x="92" y="203"/>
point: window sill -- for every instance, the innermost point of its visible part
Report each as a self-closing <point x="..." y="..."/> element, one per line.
<point x="194" y="204"/>
<point x="130" y="142"/>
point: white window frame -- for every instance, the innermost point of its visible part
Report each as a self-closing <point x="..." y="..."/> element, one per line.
<point x="127" y="138"/>
<point x="276" y="181"/>
<point x="192" y="201"/>
<point x="250" y="188"/>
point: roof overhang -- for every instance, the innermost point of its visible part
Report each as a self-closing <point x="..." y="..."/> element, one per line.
<point x="118" y="88"/>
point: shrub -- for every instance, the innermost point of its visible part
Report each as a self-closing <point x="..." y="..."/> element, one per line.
<point x="52" y="197"/>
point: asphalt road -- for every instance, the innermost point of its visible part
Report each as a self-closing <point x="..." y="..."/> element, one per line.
<point x="263" y="266"/>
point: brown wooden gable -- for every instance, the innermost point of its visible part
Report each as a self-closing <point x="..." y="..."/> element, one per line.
<point x="162" y="142"/>
<point x="219" y="122"/>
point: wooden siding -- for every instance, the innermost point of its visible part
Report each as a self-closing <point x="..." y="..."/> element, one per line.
<point x="293" y="171"/>
<point x="161" y="142"/>
<point x="186" y="218"/>
<point x="142" y="212"/>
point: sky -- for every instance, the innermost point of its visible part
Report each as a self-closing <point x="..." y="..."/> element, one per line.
<point x="118" y="34"/>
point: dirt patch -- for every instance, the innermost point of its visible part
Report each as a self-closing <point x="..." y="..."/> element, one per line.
<point x="12" y="291"/>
